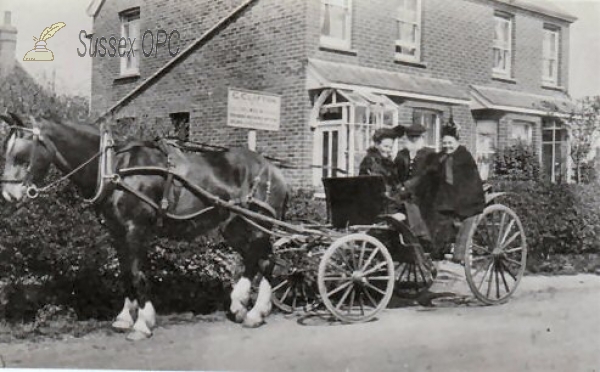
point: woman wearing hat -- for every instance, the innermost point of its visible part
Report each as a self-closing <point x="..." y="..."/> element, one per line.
<point x="460" y="192"/>
<point x="378" y="160"/>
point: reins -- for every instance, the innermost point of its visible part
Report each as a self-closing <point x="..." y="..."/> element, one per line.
<point x="33" y="191"/>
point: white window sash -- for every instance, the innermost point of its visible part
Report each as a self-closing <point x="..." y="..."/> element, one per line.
<point x="416" y="44"/>
<point x="550" y="77"/>
<point x="334" y="42"/>
<point x="130" y="29"/>
<point x="503" y="46"/>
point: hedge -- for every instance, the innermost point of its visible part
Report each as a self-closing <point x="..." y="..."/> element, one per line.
<point x="557" y="218"/>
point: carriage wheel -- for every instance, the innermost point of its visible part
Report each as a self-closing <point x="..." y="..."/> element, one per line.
<point x="412" y="280"/>
<point x="356" y="277"/>
<point x="495" y="254"/>
<point x="294" y="284"/>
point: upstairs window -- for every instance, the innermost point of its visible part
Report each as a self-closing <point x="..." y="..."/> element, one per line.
<point x="502" y="45"/>
<point x="336" y="23"/>
<point x="408" y="30"/>
<point x="550" y="56"/>
<point x="130" y="30"/>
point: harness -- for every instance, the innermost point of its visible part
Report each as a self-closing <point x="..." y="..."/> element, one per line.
<point x="109" y="178"/>
<point x="32" y="190"/>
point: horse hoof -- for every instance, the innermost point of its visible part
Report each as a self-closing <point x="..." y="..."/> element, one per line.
<point x="252" y="323"/>
<point x="138" y="336"/>
<point x="122" y="325"/>
<point x="240" y="315"/>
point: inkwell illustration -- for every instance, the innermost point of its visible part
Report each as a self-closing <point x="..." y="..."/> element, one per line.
<point x="40" y="52"/>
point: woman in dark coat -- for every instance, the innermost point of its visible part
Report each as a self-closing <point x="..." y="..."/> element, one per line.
<point x="460" y="192"/>
<point x="378" y="160"/>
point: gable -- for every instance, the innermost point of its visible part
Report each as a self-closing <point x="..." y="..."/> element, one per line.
<point x="94" y="8"/>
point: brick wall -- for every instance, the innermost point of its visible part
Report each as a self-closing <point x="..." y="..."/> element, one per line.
<point x="266" y="49"/>
<point x="263" y="49"/>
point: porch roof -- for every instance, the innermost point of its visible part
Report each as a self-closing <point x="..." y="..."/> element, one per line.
<point x="323" y="74"/>
<point x="520" y="102"/>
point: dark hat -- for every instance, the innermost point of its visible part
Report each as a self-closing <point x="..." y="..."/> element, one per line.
<point x="382" y="133"/>
<point x="415" y="129"/>
<point x="399" y="130"/>
<point x="450" y="129"/>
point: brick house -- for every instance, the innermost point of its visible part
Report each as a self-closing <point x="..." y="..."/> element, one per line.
<point x="341" y="68"/>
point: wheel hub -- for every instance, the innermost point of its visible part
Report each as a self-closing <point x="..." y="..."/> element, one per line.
<point x="358" y="277"/>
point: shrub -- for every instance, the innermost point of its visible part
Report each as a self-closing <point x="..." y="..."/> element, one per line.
<point x="53" y="250"/>
<point x="516" y="163"/>
<point x="557" y="218"/>
<point x="303" y="206"/>
<point x="588" y="172"/>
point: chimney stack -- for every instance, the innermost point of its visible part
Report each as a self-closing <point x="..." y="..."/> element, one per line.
<point x="8" y="44"/>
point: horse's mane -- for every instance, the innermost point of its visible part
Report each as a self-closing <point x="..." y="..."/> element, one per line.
<point x="80" y="127"/>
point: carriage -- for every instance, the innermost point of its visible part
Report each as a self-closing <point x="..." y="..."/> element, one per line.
<point x="365" y="256"/>
<point x="352" y="265"/>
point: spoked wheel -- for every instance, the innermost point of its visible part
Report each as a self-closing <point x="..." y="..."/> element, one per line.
<point x="356" y="278"/>
<point x="294" y="282"/>
<point x="412" y="280"/>
<point x="495" y="255"/>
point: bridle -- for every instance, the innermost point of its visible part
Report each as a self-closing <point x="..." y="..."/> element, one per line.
<point x="38" y="140"/>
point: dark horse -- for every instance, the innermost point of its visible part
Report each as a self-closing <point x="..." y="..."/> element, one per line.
<point x="233" y="175"/>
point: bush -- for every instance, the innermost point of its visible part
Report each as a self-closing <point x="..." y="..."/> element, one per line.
<point x="516" y="163"/>
<point x="557" y="218"/>
<point x="303" y="206"/>
<point x="53" y="250"/>
<point x="588" y="172"/>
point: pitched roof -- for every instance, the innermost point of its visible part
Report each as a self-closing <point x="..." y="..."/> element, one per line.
<point x="340" y="75"/>
<point x="94" y="7"/>
<point x="546" y="8"/>
<point x="509" y="100"/>
<point x="542" y="7"/>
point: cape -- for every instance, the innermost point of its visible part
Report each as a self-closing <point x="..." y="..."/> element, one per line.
<point x="464" y="195"/>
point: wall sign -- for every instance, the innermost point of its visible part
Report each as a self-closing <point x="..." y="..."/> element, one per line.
<point x="253" y="110"/>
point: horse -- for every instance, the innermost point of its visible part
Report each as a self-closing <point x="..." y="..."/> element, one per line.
<point x="232" y="175"/>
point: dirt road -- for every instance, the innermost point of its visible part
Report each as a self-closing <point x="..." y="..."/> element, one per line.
<point x="552" y="324"/>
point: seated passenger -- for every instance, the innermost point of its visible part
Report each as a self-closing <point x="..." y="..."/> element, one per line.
<point x="460" y="192"/>
<point x="413" y="164"/>
<point x="378" y="160"/>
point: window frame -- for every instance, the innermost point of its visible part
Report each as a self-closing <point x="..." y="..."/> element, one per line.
<point x="556" y="128"/>
<point x="503" y="46"/>
<point x="334" y="42"/>
<point x="181" y="124"/>
<point x="551" y="80"/>
<point x="437" y="129"/>
<point x="529" y="126"/>
<point x="129" y="18"/>
<point x="479" y="153"/>
<point x="401" y="18"/>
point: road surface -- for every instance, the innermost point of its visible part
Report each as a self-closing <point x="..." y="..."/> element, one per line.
<point x="551" y="324"/>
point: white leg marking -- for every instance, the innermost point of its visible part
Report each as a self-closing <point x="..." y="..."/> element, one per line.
<point x="239" y="299"/>
<point x="124" y="320"/>
<point x="262" y="308"/>
<point x="146" y="320"/>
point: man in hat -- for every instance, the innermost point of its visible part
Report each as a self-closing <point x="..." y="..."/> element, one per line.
<point x="413" y="164"/>
<point x="460" y="192"/>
